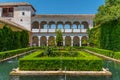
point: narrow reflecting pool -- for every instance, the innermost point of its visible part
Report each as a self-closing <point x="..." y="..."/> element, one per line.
<point x="6" y="67"/>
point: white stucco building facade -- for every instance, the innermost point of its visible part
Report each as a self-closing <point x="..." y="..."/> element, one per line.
<point x="43" y="27"/>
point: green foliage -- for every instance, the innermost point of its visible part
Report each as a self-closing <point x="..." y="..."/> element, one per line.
<point x="108" y="53"/>
<point x="106" y="34"/>
<point x="48" y="51"/>
<point x="117" y="55"/>
<point x="94" y="37"/>
<point x="10" y="53"/>
<point x="109" y="38"/>
<point x="107" y="12"/>
<point x="10" y="40"/>
<point x="71" y="64"/>
<point x="24" y="38"/>
<point x="83" y="62"/>
<point x="101" y="51"/>
<point x="58" y="54"/>
<point x="59" y="37"/>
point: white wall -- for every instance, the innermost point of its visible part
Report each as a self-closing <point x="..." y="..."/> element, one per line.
<point x="26" y="19"/>
<point x="0" y="12"/>
<point x="91" y="24"/>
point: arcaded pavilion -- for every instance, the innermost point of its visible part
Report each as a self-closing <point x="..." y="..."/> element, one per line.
<point x="43" y="27"/>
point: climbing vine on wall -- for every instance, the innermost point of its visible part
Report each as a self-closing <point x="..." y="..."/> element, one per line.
<point x="106" y="36"/>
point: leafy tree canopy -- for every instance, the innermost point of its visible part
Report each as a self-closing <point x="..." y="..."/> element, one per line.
<point x="59" y="37"/>
<point x="107" y="12"/>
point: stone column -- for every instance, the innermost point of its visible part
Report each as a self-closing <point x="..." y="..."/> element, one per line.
<point x="47" y="39"/>
<point x="87" y="40"/>
<point x="71" y="40"/>
<point x="55" y="41"/>
<point x="39" y="40"/>
<point x="80" y="37"/>
<point x="39" y="28"/>
<point x="64" y="27"/>
<point x="80" y="28"/>
<point x="72" y="27"/>
<point x="63" y="40"/>
<point x="47" y="27"/>
<point x="31" y="40"/>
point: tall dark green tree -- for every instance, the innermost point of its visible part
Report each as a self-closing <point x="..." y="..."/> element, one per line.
<point x="59" y="38"/>
<point x="12" y="40"/>
<point x="24" y="39"/>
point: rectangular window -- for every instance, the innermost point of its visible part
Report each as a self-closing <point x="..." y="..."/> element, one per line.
<point x="7" y="12"/>
<point x="23" y="13"/>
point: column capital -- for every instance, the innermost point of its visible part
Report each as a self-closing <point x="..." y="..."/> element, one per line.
<point x="80" y="37"/>
<point x="72" y="37"/>
<point x="39" y="37"/>
<point x="47" y="37"/>
<point x="64" y="37"/>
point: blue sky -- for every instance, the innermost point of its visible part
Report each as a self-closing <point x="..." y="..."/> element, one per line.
<point x="63" y="6"/>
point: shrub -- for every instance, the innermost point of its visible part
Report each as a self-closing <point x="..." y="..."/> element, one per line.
<point x="108" y="53"/>
<point x="78" y="63"/>
<point x="101" y="51"/>
<point x="72" y="64"/>
<point x="117" y="55"/>
<point x="61" y="53"/>
<point x="10" y="40"/>
<point x="10" y="53"/>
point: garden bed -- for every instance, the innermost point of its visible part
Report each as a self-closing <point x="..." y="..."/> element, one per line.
<point x="80" y="61"/>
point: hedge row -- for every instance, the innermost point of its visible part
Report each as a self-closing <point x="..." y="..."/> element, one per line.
<point x="32" y="62"/>
<point x="108" y="53"/>
<point x="71" y="64"/>
<point x="11" y="40"/>
<point x="10" y="53"/>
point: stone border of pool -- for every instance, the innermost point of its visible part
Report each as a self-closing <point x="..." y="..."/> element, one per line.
<point x="17" y="72"/>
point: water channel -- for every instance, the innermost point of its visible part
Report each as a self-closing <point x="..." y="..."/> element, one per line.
<point x="6" y="67"/>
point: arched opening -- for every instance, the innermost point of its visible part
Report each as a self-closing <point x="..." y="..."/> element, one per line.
<point x="51" y="41"/>
<point x="35" y="25"/>
<point x="43" y="41"/>
<point x="76" y="25"/>
<point x="35" y="41"/>
<point x="84" y="25"/>
<point x="67" y="25"/>
<point x="43" y="25"/>
<point x="76" y="41"/>
<point x="52" y="25"/>
<point x="59" y="25"/>
<point x="67" y="41"/>
<point x="84" y="41"/>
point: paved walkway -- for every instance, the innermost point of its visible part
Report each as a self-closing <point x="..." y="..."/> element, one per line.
<point x="17" y="72"/>
<point x="102" y="56"/>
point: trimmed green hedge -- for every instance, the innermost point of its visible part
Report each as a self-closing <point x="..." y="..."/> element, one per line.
<point x="108" y="53"/>
<point x="72" y="64"/>
<point x="117" y="55"/>
<point x="10" y="53"/>
<point x="11" y="40"/>
<point x="80" y="63"/>
<point x="101" y="51"/>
